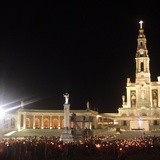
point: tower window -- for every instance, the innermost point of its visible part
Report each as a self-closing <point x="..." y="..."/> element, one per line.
<point x="155" y="122"/>
<point x="124" y="123"/>
<point x="142" y="66"/>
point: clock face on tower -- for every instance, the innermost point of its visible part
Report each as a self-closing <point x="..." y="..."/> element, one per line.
<point x="141" y="52"/>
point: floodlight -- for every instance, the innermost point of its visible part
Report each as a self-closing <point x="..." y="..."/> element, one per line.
<point x="2" y="113"/>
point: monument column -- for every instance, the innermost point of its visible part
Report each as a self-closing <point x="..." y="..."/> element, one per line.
<point x="66" y="116"/>
<point x="66" y="135"/>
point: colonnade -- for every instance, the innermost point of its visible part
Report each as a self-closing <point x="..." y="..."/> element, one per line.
<point x="40" y="121"/>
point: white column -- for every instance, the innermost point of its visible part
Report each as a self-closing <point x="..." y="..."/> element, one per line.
<point x="59" y="122"/>
<point x="102" y="122"/>
<point x="24" y="121"/>
<point x="51" y="123"/>
<point x="18" y="121"/>
<point x="66" y="115"/>
<point x="42" y="123"/>
<point x="33" y="121"/>
<point x="90" y="125"/>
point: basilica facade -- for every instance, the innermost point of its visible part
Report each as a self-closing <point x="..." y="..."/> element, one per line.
<point x="141" y="105"/>
<point x="140" y="109"/>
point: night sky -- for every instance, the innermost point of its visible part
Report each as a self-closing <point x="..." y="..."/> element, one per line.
<point x="86" y="48"/>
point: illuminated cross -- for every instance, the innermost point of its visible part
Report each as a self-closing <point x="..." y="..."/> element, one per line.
<point x="140" y="22"/>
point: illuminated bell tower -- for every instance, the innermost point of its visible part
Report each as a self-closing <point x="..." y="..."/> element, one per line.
<point x="142" y="58"/>
<point x="138" y="93"/>
<point x="142" y="77"/>
<point x="142" y="107"/>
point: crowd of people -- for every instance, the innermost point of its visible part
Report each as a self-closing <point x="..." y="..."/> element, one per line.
<point x="93" y="148"/>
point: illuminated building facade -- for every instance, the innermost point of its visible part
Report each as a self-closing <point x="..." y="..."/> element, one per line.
<point x="46" y="119"/>
<point x="140" y="108"/>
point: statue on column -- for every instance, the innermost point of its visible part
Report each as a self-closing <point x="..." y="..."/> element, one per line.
<point x="66" y="96"/>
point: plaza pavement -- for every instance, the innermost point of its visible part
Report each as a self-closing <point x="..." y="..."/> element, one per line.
<point x="97" y="132"/>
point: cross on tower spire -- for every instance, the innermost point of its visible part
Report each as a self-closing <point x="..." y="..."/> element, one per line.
<point x="141" y="22"/>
